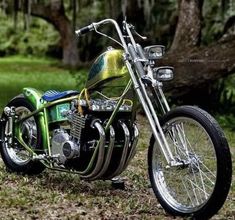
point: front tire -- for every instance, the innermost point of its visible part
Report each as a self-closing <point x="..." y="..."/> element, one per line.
<point x="200" y="187"/>
<point x="15" y="157"/>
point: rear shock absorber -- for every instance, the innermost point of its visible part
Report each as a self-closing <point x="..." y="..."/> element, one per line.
<point x="10" y="113"/>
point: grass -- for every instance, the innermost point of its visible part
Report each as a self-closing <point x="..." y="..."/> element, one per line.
<point x="17" y="73"/>
<point x="54" y="195"/>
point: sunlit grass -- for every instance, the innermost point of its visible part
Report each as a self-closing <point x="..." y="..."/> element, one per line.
<point x="19" y="72"/>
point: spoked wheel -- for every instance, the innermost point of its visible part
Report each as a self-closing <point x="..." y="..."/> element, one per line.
<point x="199" y="186"/>
<point x="15" y="156"/>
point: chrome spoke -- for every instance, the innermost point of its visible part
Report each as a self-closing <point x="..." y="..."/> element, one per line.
<point x="188" y="187"/>
<point x="197" y="187"/>
<point x="29" y="134"/>
<point x="188" y="193"/>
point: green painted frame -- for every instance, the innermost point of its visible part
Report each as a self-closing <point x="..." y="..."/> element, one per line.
<point x="34" y="97"/>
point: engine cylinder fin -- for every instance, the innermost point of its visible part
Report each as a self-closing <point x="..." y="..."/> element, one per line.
<point x="78" y="123"/>
<point x="108" y="155"/>
<point x="100" y="158"/>
<point x="124" y="152"/>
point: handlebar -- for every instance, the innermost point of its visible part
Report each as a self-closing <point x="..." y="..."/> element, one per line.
<point x="84" y="30"/>
<point x="94" y="26"/>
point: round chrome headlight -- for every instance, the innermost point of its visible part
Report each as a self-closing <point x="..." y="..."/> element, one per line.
<point x="154" y="52"/>
<point x="164" y="73"/>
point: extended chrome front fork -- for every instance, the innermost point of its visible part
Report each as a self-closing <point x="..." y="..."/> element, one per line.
<point x="152" y="117"/>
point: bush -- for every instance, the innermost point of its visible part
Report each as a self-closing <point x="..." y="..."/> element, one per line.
<point x="35" y="41"/>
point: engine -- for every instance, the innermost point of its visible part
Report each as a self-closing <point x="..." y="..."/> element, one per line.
<point x="65" y="143"/>
<point x="63" y="146"/>
<point x="75" y="137"/>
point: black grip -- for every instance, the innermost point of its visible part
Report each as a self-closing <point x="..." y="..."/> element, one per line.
<point x="84" y="30"/>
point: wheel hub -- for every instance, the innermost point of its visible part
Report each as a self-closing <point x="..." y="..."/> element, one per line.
<point x="194" y="165"/>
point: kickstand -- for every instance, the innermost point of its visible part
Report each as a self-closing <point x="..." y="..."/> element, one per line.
<point x="118" y="183"/>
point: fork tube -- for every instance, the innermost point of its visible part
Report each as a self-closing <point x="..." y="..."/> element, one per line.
<point x="156" y="120"/>
<point x="131" y="36"/>
<point x="139" y="67"/>
<point x="148" y="114"/>
<point x="158" y="99"/>
<point x="163" y="98"/>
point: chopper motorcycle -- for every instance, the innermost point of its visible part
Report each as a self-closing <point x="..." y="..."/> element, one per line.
<point x="95" y="136"/>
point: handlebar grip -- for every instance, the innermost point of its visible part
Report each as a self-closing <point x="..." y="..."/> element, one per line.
<point x="84" y="30"/>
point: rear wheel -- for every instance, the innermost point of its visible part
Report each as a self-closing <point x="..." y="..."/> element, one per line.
<point x="15" y="157"/>
<point x="200" y="186"/>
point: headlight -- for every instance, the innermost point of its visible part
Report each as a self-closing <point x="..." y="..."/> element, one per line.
<point x="164" y="73"/>
<point x="154" y="52"/>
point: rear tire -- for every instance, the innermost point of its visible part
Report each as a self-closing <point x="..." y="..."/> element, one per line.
<point x="199" y="188"/>
<point x="16" y="158"/>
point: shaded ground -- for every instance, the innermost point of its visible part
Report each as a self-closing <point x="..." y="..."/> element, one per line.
<point x="54" y="195"/>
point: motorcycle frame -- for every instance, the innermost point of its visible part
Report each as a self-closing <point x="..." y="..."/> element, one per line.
<point x="41" y="113"/>
<point x="131" y="58"/>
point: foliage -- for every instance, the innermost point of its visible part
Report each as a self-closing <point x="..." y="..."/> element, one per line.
<point x="218" y="98"/>
<point x="227" y="121"/>
<point x="215" y="15"/>
<point x="160" y="28"/>
<point x="163" y="22"/>
<point x="224" y="95"/>
<point x="37" y="41"/>
<point x="225" y="104"/>
<point x="42" y="39"/>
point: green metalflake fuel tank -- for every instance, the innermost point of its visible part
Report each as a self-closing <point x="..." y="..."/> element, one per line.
<point x="107" y="67"/>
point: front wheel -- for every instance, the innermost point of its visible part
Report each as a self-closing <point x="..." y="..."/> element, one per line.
<point x="199" y="187"/>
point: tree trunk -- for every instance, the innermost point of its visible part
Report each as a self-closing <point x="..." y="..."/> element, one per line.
<point x="199" y="67"/>
<point x="196" y="67"/>
<point x="188" y="31"/>
<point x="55" y="14"/>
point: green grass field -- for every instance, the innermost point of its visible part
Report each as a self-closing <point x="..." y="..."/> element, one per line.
<point x="54" y="195"/>
<point x="17" y="73"/>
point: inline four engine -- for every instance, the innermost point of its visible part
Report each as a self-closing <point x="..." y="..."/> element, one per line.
<point x="74" y="136"/>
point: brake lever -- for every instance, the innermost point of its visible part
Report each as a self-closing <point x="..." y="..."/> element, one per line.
<point x="141" y="36"/>
<point x="132" y="27"/>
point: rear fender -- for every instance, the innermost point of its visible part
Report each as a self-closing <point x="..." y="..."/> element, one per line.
<point x="33" y="96"/>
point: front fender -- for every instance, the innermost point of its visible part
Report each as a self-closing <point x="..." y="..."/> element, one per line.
<point x="34" y="97"/>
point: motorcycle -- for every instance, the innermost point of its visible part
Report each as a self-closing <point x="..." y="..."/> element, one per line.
<point x="95" y="136"/>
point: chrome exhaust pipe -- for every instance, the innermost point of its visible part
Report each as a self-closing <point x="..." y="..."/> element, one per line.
<point x="133" y="146"/>
<point x="100" y="158"/>
<point x="108" y="155"/>
<point x="124" y="152"/>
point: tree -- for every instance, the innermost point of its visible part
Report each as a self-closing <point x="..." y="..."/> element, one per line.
<point x="52" y="11"/>
<point x="197" y="66"/>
